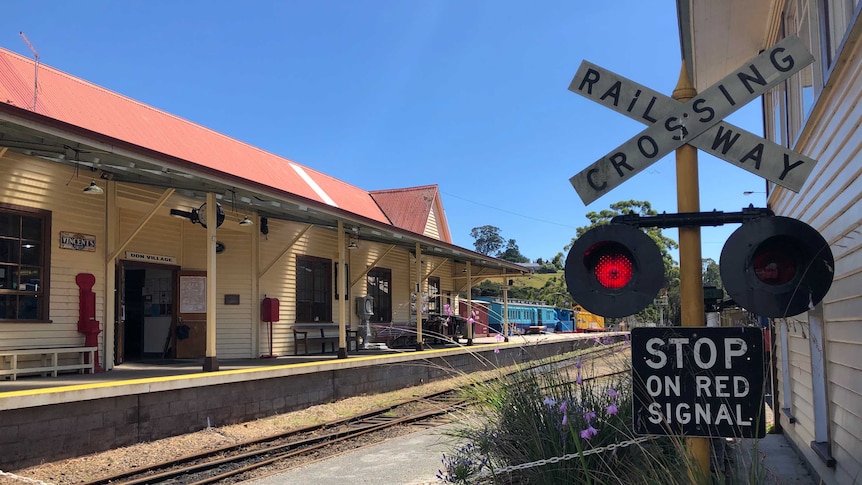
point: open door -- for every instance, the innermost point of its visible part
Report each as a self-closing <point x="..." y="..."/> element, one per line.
<point x="190" y="333"/>
<point x="119" y="315"/>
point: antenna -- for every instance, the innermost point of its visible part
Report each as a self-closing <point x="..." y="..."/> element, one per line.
<point x="35" y="69"/>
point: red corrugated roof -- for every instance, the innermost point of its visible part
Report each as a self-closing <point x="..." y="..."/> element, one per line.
<point x="86" y="105"/>
<point x="409" y="208"/>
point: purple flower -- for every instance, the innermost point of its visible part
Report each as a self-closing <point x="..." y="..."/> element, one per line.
<point x="589" y="432"/>
<point x="578" y="364"/>
<point x="613" y="393"/>
<point x="470" y="320"/>
<point x="563" y="406"/>
<point x="589" y="416"/>
<point x="496" y="351"/>
<point x="447" y="309"/>
<point x="579" y="379"/>
<point x="499" y="337"/>
<point x="612" y="409"/>
<point x="565" y="420"/>
<point x="549" y="401"/>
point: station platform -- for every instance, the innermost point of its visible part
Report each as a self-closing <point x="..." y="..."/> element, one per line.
<point x="52" y="418"/>
<point x="154" y="368"/>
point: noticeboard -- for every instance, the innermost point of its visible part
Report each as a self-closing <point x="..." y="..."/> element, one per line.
<point x="699" y="381"/>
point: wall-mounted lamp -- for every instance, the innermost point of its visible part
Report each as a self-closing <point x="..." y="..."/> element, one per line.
<point x="464" y="270"/>
<point x="353" y="245"/>
<point x="246" y="222"/>
<point x="93" y="188"/>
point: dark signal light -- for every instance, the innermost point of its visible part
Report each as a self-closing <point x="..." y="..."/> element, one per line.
<point x="776" y="266"/>
<point x="614" y="270"/>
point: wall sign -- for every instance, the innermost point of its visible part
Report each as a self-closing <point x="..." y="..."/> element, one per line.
<point x="699" y="381"/>
<point x="77" y="241"/>
<point x="150" y="258"/>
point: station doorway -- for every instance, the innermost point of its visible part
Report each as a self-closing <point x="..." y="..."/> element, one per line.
<point x="146" y="316"/>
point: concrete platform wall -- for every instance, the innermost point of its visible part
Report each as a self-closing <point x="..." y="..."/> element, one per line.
<point x="56" y="424"/>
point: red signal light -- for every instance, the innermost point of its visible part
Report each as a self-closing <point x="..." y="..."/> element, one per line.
<point x="772" y="263"/>
<point x="612" y="267"/>
<point x="614" y="270"/>
<point x="776" y="266"/>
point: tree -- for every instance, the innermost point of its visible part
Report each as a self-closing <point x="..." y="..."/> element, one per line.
<point x="513" y="254"/>
<point x="488" y="240"/>
<point x="711" y="273"/>
<point x="665" y="244"/>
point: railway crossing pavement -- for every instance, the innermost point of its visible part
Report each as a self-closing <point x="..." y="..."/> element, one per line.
<point x="416" y="458"/>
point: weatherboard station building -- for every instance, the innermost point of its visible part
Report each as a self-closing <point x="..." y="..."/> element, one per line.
<point x="817" y="355"/>
<point x="131" y="230"/>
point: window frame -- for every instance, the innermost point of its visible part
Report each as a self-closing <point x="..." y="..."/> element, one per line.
<point x="43" y="294"/>
<point x="317" y="309"/>
<point x="382" y="304"/>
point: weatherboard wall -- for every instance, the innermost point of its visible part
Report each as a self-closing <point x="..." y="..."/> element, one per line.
<point x="830" y="202"/>
<point x="33" y="183"/>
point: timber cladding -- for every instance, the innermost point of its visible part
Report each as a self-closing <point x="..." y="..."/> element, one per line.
<point x="52" y="432"/>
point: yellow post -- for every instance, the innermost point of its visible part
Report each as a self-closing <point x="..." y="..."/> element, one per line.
<point x="690" y="264"/>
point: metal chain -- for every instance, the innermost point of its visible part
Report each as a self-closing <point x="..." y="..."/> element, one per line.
<point x="22" y="479"/>
<point x="570" y="456"/>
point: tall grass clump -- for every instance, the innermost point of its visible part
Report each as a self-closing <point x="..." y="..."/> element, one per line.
<point x="573" y="426"/>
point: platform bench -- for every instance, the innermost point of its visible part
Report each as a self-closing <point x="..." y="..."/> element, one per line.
<point x="301" y="338"/>
<point x="50" y="361"/>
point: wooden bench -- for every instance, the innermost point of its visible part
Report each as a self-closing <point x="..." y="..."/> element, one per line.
<point x="49" y="361"/>
<point x="301" y="337"/>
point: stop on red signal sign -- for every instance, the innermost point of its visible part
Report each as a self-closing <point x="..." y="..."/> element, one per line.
<point x="614" y="270"/>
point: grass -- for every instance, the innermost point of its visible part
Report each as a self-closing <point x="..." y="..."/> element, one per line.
<point x="556" y="426"/>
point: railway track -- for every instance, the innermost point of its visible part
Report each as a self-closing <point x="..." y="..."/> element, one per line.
<point x="234" y="463"/>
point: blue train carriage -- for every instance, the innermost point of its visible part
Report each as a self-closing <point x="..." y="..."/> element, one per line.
<point x="524" y="316"/>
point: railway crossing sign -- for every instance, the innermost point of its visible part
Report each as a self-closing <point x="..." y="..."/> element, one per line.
<point x="698" y="122"/>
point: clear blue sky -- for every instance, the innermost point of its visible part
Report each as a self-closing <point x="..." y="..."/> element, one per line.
<point x="470" y="95"/>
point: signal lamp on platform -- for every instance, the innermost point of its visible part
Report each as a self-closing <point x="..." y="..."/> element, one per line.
<point x="614" y="270"/>
<point x="776" y="266"/>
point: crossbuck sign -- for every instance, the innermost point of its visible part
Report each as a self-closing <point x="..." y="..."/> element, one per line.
<point x="696" y="122"/>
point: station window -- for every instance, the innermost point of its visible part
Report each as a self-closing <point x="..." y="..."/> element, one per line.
<point x="380" y="287"/>
<point x="24" y="264"/>
<point x="313" y="289"/>
<point x="434" y="294"/>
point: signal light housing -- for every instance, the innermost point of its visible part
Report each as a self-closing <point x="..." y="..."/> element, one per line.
<point x="614" y="270"/>
<point x="776" y="266"/>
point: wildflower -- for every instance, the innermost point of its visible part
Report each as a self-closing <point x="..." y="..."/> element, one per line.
<point x="613" y="393"/>
<point x="589" y="416"/>
<point x="496" y="351"/>
<point x="565" y="420"/>
<point x="564" y="406"/>
<point x="589" y="432"/>
<point x="499" y="337"/>
<point x="578" y="364"/>
<point x="612" y="409"/>
<point x="549" y="401"/>
<point x="579" y="379"/>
